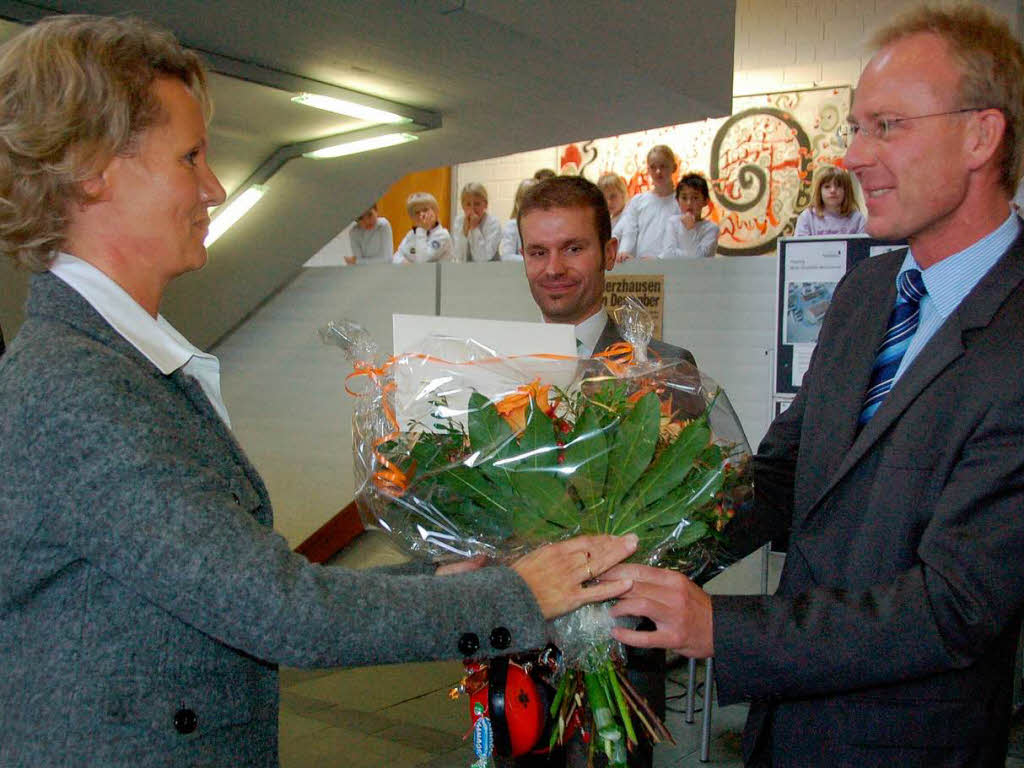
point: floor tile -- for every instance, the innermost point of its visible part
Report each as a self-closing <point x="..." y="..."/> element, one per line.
<point x="434" y="710"/>
<point x="338" y="748"/>
<point x="369" y="689"/>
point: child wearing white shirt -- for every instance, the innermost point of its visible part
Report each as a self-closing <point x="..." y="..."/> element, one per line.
<point x="642" y="226"/>
<point x="615" y="194"/>
<point x="689" y="235"/>
<point x="476" y="232"/>
<point x="428" y="240"/>
<point x="511" y="246"/>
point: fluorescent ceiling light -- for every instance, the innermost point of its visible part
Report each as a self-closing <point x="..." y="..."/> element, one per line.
<point x="226" y="216"/>
<point x="349" y="108"/>
<point x="362" y="145"/>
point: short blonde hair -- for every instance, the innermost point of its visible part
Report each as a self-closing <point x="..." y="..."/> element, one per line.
<point x="75" y="91"/>
<point x="822" y="176"/>
<point x="473" y="189"/>
<point x="419" y="200"/>
<point x="991" y="67"/>
<point x="664" y="152"/>
<point x="612" y="181"/>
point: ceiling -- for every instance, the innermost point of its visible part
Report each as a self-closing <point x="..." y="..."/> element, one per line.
<point x="500" y="77"/>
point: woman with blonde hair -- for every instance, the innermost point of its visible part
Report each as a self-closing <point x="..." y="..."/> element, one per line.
<point x="145" y="599"/>
<point x="833" y="209"/>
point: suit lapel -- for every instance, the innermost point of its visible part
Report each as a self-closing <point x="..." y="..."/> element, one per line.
<point x="843" y="375"/>
<point x="50" y="296"/>
<point x="610" y="335"/>
<point x="946" y="346"/>
<point x="194" y="392"/>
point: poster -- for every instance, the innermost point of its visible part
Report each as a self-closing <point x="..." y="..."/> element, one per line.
<point x="759" y="161"/>
<point x="649" y="290"/>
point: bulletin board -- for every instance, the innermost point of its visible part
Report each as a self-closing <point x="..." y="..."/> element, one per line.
<point x="809" y="269"/>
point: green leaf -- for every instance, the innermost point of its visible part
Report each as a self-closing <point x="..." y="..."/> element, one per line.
<point x="537" y="446"/>
<point x="692" y="533"/>
<point x="468" y="482"/>
<point x="633" y="446"/>
<point x="488" y="432"/>
<point x="586" y="453"/>
<point x="700" y="487"/>
<point x="669" y="469"/>
<point x="545" y="508"/>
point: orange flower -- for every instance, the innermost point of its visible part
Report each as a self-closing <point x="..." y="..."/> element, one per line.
<point x="512" y="408"/>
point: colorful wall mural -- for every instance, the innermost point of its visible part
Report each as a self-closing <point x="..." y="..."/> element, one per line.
<point x="759" y="161"/>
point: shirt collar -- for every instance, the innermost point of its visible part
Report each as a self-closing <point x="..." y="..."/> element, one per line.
<point x="589" y="332"/>
<point x="950" y="280"/>
<point x="155" y="338"/>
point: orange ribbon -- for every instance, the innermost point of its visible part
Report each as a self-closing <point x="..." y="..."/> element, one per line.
<point x="389" y="478"/>
<point x="617" y="357"/>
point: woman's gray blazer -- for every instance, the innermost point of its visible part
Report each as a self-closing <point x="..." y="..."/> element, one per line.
<point x="145" y="600"/>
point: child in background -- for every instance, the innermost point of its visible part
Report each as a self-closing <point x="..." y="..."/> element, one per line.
<point x="370" y="238"/>
<point x="833" y="209"/>
<point x="615" y="194"/>
<point x="476" y="232"/>
<point x="689" y="236"/>
<point x="511" y="247"/>
<point x="428" y="240"/>
<point x="642" y="227"/>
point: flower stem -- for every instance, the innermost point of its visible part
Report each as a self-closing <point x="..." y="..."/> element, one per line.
<point x="620" y="700"/>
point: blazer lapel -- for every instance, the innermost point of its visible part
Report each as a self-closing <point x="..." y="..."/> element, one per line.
<point x="191" y="388"/>
<point x="844" y="375"/>
<point x="610" y="335"/>
<point x="947" y="345"/>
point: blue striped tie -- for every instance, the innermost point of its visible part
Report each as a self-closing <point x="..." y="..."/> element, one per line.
<point x="902" y="326"/>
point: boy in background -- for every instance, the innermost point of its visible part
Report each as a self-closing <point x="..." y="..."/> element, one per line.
<point x="370" y="238"/>
<point x="689" y="236"/>
<point x="427" y="240"/>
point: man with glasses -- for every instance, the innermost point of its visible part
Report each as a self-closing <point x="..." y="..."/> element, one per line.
<point x="898" y="469"/>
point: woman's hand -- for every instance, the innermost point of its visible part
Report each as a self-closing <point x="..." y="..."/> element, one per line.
<point x="562" y="575"/>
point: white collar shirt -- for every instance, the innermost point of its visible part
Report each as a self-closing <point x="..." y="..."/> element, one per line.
<point x="588" y="333"/>
<point x="155" y="338"/>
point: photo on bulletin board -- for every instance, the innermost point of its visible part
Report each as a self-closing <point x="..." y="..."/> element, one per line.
<point x="806" y="304"/>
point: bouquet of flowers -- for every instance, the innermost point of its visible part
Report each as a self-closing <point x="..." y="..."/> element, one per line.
<point x="461" y="452"/>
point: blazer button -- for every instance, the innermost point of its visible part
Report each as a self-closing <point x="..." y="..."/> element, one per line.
<point x="501" y="638"/>
<point x="469" y="644"/>
<point x="185" y="721"/>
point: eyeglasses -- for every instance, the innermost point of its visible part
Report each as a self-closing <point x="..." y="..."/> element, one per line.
<point x="880" y="127"/>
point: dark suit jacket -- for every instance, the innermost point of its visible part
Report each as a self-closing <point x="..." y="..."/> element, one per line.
<point x="891" y="638"/>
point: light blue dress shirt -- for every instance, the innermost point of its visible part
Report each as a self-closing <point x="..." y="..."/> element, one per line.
<point x="950" y="280"/>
